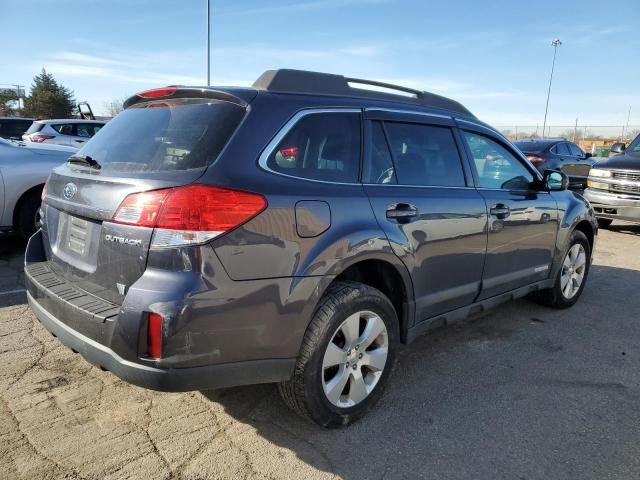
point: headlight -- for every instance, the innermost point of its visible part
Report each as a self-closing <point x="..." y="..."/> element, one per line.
<point x="596" y="172"/>
<point x="597" y="185"/>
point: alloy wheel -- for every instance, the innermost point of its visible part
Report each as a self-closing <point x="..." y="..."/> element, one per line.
<point x="354" y="359"/>
<point x="573" y="270"/>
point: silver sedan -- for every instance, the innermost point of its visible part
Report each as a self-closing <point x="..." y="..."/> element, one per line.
<point x="24" y="169"/>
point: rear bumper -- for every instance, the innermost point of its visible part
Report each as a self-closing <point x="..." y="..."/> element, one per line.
<point x="173" y="379"/>
<point x="614" y="206"/>
<point x="217" y="332"/>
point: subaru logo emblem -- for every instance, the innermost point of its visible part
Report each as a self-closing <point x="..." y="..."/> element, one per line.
<point x="70" y="190"/>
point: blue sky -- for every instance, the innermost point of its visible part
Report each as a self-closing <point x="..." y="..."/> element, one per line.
<point x="494" y="56"/>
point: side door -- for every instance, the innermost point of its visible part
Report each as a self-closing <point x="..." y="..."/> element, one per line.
<point x="523" y="220"/>
<point x="422" y="195"/>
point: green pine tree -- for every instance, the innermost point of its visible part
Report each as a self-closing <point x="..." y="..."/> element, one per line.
<point x="48" y="98"/>
<point x="8" y="101"/>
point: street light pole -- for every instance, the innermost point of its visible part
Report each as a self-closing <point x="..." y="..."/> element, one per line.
<point x="556" y="43"/>
<point x="208" y="43"/>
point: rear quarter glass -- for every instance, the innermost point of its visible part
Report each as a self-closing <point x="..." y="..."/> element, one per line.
<point x="164" y="136"/>
<point x="35" y="128"/>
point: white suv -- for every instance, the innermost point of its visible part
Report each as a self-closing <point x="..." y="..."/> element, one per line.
<point x="62" y="132"/>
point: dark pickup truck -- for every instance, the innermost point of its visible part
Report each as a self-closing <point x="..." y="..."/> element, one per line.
<point x="614" y="185"/>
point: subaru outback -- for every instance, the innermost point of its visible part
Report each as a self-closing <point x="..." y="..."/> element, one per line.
<point x="294" y="232"/>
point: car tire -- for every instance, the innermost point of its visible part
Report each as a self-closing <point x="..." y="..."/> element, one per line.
<point x="566" y="290"/>
<point x="329" y="391"/>
<point x="27" y="216"/>
<point x="604" y="223"/>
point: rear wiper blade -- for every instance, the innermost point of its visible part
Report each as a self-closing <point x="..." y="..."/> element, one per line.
<point x="84" y="160"/>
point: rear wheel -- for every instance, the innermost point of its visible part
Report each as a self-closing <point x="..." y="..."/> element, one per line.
<point x="346" y="357"/>
<point x="28" y="218"/>
<point x="572" y="275"/>
<point x="604" y="223"/>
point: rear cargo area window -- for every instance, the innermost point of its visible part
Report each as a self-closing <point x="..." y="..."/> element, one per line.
<point x="165" y="136"/>
<point x="322" y="146"/>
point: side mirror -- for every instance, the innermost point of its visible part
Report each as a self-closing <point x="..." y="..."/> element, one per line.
<point x="555" y="181"/>
<point x="618" y="147"/>
<point x="588" y="155"/>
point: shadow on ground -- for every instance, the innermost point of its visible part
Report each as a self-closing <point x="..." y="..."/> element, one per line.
<point x="11" y="269"/>
<point x="523" y="392"/>
<point x="627" y="228"/>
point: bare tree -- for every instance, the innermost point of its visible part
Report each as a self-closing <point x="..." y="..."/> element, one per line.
<point x="115" y="106"/>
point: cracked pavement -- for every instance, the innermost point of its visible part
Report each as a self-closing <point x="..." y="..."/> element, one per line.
<point x="524" y="392"/>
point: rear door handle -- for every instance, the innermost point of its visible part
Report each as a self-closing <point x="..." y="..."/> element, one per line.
<point x="500" y="211"/>
<point x="402" y="211"/>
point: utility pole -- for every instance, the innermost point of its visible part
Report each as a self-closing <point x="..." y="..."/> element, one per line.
<point x="19" y="94"/>
<point x="556" y="43"/>
<point x="575" y="132"/>
<point x="628" y="117"/>
<point x="208" y="43"/>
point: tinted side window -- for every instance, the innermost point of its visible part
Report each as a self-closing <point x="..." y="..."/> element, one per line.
<point x="64" y="128"/>
<point x="323" y="146"/>
<point x="87" y="130"/>
<point x="495" y="165"/>
<point x="379" y="165"/>
<point x="576" y="151"/>
<point x="563" y="149"/>
<point x="425" y="155"/>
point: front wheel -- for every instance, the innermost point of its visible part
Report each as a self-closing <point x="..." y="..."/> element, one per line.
<point x="572" y="276"/>
<point x="346" y="357"/>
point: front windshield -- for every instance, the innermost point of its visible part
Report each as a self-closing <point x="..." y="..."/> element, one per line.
<point x="634" y="147"/>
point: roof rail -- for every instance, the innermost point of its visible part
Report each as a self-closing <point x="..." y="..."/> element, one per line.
<point x="305" y="82"/>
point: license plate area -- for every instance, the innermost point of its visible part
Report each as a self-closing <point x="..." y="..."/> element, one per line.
<point x="77" y="235"/>
<point x="74" y="240"/>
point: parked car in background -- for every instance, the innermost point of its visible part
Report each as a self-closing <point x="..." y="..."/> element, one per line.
<point x="70" y="132"/>
<point x="559" y="154"/>
<point x="12" y="128"/>
<point x="23" y="171"/>
<point x="294" y="232"/>
<point x="614" y="185"/>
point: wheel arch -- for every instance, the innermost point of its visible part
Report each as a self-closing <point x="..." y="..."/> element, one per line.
<point x="392" y="279"/>
<point x="20" y="202"/>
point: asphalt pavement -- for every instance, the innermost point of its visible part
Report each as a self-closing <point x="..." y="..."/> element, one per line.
<point x="525" y="392"/>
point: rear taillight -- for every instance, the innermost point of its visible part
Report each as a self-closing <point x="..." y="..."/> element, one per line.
<point x="40" y="138"/>
<point x="190" y="214"/>
<point x="289" y="152"/>
<point x="154" y="335"/>
<point x="535" y="159"/>
<point x="158" y="92"/>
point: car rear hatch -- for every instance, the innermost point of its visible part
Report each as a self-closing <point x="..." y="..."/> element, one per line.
<point x="160" y="142"/>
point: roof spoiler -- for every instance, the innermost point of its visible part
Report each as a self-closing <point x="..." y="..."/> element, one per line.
<point x="240" y="97"/>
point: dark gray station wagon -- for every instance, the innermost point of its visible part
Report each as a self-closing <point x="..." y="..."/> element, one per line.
<point x="294" y="232"/>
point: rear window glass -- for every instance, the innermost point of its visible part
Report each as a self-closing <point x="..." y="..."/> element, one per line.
<point x="35" y="128"/>
<point x="531" y="147"/>
<point x="10" y="128"/>
<point x="165" y="136"/>
<point x="321" y="146"/>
